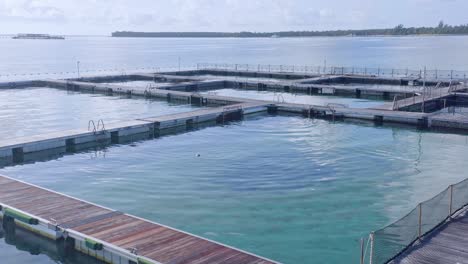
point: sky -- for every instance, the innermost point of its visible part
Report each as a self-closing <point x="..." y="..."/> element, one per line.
<point x="101" y="17"/>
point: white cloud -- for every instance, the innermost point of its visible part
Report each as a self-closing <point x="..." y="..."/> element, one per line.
<point x="104" y="16"/>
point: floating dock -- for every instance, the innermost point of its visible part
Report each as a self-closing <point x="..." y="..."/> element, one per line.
<point x="16" y="150"/>
<point x="433" y="232"/>
<point x="184" y="87"/>
<point x="109" y="235"/>
<point x="447" y="244"/>
<point x="115" y="237"/>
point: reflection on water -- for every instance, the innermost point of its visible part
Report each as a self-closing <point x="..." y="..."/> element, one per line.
<point x="20" y="246"/>
<point x="283" y="187"/>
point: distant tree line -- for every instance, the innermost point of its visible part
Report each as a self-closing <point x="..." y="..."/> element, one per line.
<point x="400" y="30"/>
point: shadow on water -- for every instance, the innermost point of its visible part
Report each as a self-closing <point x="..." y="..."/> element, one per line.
<point x="14" y="240"/>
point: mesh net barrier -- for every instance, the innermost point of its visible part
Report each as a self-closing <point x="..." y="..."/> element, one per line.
<point x="460" y="195"/>
<point x="325" y="69"/>
<point x="392" y="239"/>
<point x="395" y="238"/>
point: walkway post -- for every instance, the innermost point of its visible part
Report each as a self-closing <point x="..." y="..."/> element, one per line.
<point x="451" y="201"/>
<point x="78" y="68"/>
<point x="371" y="254"/>
<point x="361" y="261"/>
<point x="420" y="221"/>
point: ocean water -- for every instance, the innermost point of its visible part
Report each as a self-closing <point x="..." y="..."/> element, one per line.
<point x="292" y="189"/>
<point x="321" y="100"/>
<point x="122" y="54"/>
<point x="33" y="111"/>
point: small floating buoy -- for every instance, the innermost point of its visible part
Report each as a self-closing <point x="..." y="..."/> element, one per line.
<point x="198" y="155"/>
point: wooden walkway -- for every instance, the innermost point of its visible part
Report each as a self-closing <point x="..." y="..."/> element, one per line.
<point x="153" y="241"/>
<point x="448" y="244"/>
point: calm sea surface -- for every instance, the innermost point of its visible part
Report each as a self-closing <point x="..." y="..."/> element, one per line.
<point x="95" y="53"/>
<point x="291" y="189"/>
<point x="32" y="111"/>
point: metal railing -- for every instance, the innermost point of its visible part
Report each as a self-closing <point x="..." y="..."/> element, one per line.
<point x="427" y="93"/>
<point x="386" y="244"/>
<point x="339" y="70"/>
<point x="95" y="129"/>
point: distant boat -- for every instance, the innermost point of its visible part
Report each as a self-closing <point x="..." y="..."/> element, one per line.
<point x="275" y="36"/>
<point x="37" y="36"/>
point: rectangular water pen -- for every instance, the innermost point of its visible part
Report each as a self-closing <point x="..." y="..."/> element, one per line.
<point x="106" y="234"/>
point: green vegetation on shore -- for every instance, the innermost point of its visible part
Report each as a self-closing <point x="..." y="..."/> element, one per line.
<point x="400" y="30"/>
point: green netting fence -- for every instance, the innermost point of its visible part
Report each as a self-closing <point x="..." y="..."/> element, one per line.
<point x="388" y="243"/>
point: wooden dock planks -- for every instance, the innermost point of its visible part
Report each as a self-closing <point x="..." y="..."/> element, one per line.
<point x="448" y="244"/>
<point x="151" y="240"/>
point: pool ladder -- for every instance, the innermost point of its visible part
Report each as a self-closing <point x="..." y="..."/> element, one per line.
<point x="278" y="98"/>
<point x="96" y="129"/>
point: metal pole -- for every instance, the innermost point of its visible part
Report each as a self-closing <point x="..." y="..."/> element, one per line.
<point x="451" y="75"/>
<point x="420" y="221"/>
<point x="78" y="68"/>
<point x="371" y="254"/>
<point x="451" y="201"/>
<point x="424" y="89"/>
<point x="325" y="66"/>
<point x="361" y="261"/>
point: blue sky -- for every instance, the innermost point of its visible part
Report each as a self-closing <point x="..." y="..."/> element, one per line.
<point x="105" y="16"/>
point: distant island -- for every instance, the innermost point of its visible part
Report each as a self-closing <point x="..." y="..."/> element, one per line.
<point x="36" y="36"/>
<point x="400" y="30"/>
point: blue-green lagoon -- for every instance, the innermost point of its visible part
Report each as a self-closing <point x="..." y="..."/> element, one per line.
<point x="292" y="189"/>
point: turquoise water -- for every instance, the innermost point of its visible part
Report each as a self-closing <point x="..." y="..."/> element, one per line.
<point x="292" y="189"/>
<point x="296" y="190"/>
<point x="298" y="98"/>
<point x="33" y="111"/>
